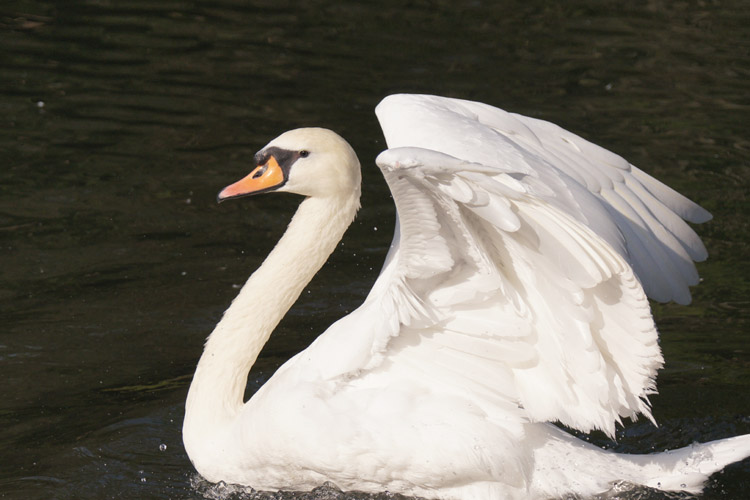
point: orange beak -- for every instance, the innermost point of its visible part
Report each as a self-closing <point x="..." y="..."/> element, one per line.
<point x="264" y="178"/>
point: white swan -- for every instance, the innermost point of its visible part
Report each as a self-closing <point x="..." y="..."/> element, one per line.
<point x="512" y="296"/>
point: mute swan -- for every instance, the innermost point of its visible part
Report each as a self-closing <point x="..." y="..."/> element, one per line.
<point x="512" y="297"/>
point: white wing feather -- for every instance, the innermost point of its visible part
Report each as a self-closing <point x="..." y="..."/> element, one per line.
<point x="529" y="305"/>
<point x="646" y="212"/>
<point x="514" y="277"/>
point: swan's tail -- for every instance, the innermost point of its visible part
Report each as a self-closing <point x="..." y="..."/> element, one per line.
<point x="687" y="469"/>
<point x="564" y="463"/>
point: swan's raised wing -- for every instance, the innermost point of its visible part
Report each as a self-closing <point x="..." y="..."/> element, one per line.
<point x="650" y="231"/>
<point x="509" y="281"/>
<point x="494" y="289"/>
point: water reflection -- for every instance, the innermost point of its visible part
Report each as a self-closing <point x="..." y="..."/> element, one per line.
<point x="120" y="121"/>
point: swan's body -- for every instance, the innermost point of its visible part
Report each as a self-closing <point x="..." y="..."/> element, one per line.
<point x="513" y="296"/>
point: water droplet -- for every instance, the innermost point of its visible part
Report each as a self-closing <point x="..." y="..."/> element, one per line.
<point x="683" y="485"/>
<point x="162" y="447"/>
<point x="375" y="228"/>
<point x="143" y="479"/>
<point x="40" y="104"/>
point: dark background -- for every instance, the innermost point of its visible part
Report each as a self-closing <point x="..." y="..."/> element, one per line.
<point x="121" y="120"/>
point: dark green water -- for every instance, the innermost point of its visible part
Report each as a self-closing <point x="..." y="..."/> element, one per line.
<point x="120" y="121"/>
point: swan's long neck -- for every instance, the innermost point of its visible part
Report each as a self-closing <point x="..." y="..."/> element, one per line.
<point x="216" y="393"/>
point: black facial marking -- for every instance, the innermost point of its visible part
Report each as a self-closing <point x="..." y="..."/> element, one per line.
<point x="284" y="157"/>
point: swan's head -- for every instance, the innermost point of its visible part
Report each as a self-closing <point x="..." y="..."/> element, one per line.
<point x="308" y="161"/>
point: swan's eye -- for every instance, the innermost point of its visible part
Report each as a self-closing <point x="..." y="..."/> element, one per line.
<point x="304" y="153"/>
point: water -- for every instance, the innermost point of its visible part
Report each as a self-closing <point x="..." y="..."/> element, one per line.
<point x="120" y="121"/>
